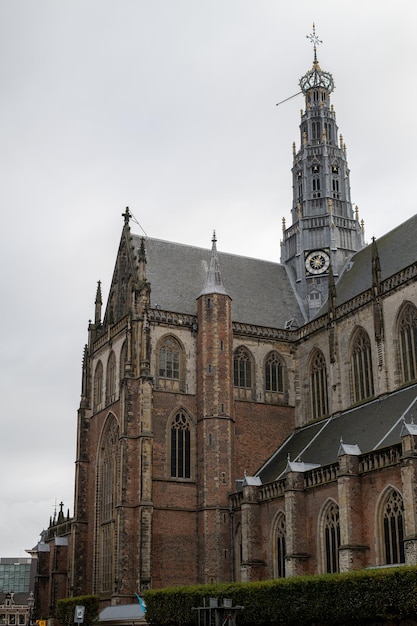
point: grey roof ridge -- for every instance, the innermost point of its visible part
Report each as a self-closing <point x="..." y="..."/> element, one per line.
<point x="208" y="249"/>
<point x="396" y="424"/>
<point x="284" y="443"/>
<point x="320" y="430"/>
<point x="301" y="302"/>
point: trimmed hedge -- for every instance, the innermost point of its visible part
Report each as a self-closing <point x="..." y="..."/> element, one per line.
<point x="360" y="598"/>
<point x="65" y="609"/>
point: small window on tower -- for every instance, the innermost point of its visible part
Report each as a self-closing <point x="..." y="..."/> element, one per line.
<point x="315" y="169"/>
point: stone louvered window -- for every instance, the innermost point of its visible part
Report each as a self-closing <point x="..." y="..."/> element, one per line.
<point x="408" y="342"/>
<point x="318" y="385"/>
<point x="361" y="367"/>
<point x="393" y="528"/>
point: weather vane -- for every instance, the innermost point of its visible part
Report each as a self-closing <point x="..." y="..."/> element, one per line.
<point x="313" y="37"/>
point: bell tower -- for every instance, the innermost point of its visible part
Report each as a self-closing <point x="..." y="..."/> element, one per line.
<point x="325" y="230"/>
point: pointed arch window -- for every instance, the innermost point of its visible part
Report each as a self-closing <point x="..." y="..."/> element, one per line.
<point x="98" y="387"/>
<point x="393" y="528"/>
<point x="123" y="358"/>
<point x="408" y="342"/>
<point x="107" y="490"/>
<point x="111" y="379"/>
<point x="242" y="368"/>
<point x="331" y="538"/>
<point x="170" y="365"/>
<point x="274" y="373"/>
<point x="361" y="365"/>
<point x="318" y="385"/>
<point x="169" y="359"/>
<point x="279" y="549"/>
<point x="180" y="446"/>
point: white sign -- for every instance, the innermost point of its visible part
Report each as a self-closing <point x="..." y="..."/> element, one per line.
<point x="79" y="614"/>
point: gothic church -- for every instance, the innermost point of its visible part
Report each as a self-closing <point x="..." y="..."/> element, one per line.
<point x="241" y="419"/>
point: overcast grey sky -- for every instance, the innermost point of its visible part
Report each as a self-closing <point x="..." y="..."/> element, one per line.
<point x="168" y="107"/>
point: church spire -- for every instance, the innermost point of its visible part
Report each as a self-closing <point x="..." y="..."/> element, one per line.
<point x="214" y="282"/>
<point x="98" y="303"/>
<point x="324" y="229"/>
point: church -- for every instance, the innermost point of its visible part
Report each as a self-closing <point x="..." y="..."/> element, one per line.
<point x="240" y="419"/>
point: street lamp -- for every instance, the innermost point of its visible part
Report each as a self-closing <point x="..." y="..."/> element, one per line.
<point x="31" y="603"/>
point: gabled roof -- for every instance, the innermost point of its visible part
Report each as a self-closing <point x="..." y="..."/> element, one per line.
<point x="261" y="290"/>
<point x="371" y="426"/>
<point x="397" y="250"/>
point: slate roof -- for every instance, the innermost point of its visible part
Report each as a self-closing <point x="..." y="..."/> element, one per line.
<point x="261" y="290"/>
<point x="371" y="426"/>
<point x="122" y="613"/>
<point x="397" y="250"/>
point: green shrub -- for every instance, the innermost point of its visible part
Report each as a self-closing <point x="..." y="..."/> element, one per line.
<point x="361" y="597"/>
<point x="65" y="609"/>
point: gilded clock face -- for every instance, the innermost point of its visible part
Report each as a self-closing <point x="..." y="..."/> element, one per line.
<point x="317" y="262"/>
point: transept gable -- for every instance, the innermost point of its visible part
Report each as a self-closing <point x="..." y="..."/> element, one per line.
<point x="126" y="281"/>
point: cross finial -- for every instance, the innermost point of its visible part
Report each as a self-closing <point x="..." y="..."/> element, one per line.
<point x="315" y="41"/>
<point x="127" y="215"/>
<point x="214" y="239"/>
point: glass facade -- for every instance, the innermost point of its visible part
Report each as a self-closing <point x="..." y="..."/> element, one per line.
<point x="15" y="575"/>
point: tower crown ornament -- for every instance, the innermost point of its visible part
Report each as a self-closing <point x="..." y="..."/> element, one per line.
<point x="316" y="78"/>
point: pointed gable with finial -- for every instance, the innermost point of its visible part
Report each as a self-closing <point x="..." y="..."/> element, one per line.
<point x="128" y="273"/>
<point x="214" y="282"/>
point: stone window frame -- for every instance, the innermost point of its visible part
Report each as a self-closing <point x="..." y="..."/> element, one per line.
<point x="190" y="450"/>
<point x="98" y="387"/>
<point x="107" y="496"/>
<point x="279" y="545"/>
<point x="280" y="394"/>
<point x="319" y="395"/>
<point x="361" y="366"/>
<point x="390" y="536"/>
<point x="243" y="356"/>
<point x="111" y="369"/>
<point x="329" y="534"/>
<point x="407" y="333"/>
<point x="171" y="383"/>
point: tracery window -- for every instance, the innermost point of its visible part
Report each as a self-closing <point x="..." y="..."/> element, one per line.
<point x="242" y="368"/>
<point x="408" y="342"/>
<point x="393" y="527"/>
<point x="361" y="365"/>
<point x="274" y="373"/>
<point x="279" y="546"/>
<point x="318" y="385"/>
<point x="98" y="387"/>
<point x="107" y="490"/>
<point x="331" y="532"/>
<point x="111" y="379"/>
<point x="180" y="446"/>
<point x="169" y="359"/>
<point x="123" y="357"/>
